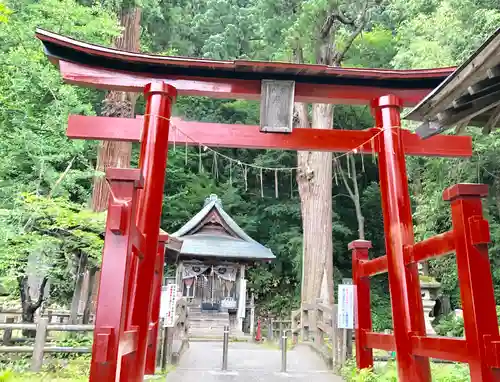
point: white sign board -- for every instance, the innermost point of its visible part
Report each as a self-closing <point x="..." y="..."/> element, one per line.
<point x="167" y="305"/>
<point x="345" y="310"/>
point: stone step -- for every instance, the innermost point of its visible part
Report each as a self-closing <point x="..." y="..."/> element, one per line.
<point x="211" y="327"/>
<point x="208" y="320"/>
<point x="219" y="315"/>
<point x="208" y="327"/>
<point x="203" y="315"/>
<point x="215" y="314"/>
<point x="204" y="318"/>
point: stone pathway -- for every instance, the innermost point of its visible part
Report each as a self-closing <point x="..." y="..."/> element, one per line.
<point x="248" y="362"/>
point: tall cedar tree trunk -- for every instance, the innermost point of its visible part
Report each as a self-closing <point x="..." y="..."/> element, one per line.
<point x="116" y="104"/>
<point x="28" y="307"/>
<point x="314" y="174"/>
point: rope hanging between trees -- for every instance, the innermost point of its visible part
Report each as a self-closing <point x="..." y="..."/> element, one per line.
<point x="261" y="169"/>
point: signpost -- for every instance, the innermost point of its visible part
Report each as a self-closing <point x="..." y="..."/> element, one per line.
<point x="345" y="315"/>
<point x="167" y="307"/>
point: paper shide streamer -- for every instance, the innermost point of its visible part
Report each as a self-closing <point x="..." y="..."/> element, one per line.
<point x="245" y="166"/>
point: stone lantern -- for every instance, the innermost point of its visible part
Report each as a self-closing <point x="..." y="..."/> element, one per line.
<point x="430" y="289"/>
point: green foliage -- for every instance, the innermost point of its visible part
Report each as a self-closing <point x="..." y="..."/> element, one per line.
<point x="388" y="373"/>
<point x="54" y="370"/>
<point x="443" y="33"/>
<point x="34" y="104"/>
<point x="4" y="13"/>
<point x="74" y="340"/>
<point x="58" y="232"/>
<point x="451" y="326"/>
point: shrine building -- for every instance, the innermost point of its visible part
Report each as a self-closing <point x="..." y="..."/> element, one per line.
<point x="211" y="263"/>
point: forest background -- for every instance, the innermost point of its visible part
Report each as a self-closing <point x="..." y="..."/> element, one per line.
<point x="46" y="180"/>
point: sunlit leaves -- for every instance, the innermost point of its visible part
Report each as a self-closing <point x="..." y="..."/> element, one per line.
<point x="4" y="13"/>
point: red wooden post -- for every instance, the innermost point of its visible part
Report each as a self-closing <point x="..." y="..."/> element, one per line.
<point x="155" y="310"/>
<point x="407" y="309"/>
<point x="362" y="306"/>
<point x="472" y="236"/>
<point x="115" y="272"/>
<point x="152" y="163"/>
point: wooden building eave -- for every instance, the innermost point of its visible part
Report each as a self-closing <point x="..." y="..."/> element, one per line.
<point x="470" y="96"/>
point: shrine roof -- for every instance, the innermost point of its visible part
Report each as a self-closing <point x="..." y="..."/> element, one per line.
<point x="61" y="48"/>
<point x="236" y="245"/>
<point x="470" y="96"/>
<point x="203" y="245"/>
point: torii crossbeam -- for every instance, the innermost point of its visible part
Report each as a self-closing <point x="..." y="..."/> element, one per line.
<point x="249" y="137"/>
<point x="122" y="328"/>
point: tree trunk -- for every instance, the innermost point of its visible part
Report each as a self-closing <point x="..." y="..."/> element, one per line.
<point x="90" y="292"/>
<point x="28" y="307"/>
<point x="314" y="178"/>
<point x="314" y="174"/>
<point x="117" y="104"/>
<point x="361" y="220"/>
<point x="356" y="197"/>
<point x="77" y="294"/>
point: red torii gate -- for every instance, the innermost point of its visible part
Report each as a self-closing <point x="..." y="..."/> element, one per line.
<point x="131" y="253"/>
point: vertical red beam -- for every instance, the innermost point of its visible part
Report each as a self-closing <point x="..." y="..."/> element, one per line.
<point x="115" y="272"/>
<point x="406" y="302"/>
<point x="155" y="309"/>
<point x="472" y="236"/>
<point x="152" y="163"/>
<point x="362" y="306"/>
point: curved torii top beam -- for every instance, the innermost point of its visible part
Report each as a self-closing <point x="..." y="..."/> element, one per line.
<point x="105" y="68"/>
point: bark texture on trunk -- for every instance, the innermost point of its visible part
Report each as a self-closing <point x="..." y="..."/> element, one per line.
<point x="314" y="179"/>
<point x="117" y="104"/>
<point x="314" y="174"/>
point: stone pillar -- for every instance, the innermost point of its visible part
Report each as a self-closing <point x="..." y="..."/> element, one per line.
<point x="252" y="316"/>
<point x="242" y="298"/>
<point x="178" y="278"/>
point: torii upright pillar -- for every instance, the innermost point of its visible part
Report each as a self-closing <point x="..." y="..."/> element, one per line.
<point x="406" y="302"/>
<point x="131" y="250"/>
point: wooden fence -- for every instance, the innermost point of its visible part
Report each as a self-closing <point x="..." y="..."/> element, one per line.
<point x="39" y="348"/>
<point x="317" y="325"/>
<point x="173" y="340"/>
<point x="59" y="316"/>
<point x="275" y="328"/>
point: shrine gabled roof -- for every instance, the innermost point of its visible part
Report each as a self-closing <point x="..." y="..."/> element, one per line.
<point x="238" y="245"/>
<point x="61" y="48"/>
<point x="469" y="96"/>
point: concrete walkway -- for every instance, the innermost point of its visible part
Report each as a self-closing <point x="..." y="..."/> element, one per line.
<point x="248" y="362"/>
